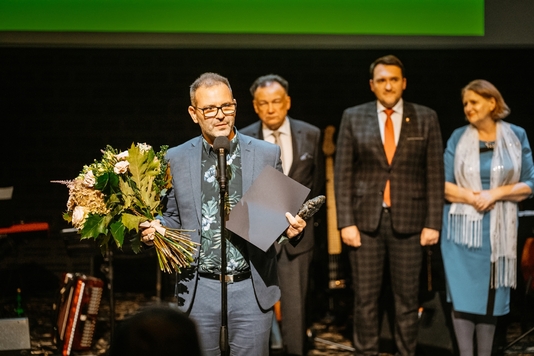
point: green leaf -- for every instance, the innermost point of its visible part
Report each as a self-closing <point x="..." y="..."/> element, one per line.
<point x="108" y="183"/>
<point x="114" y="203"/>
<point x="144" y="170"/>
<point x="136" y="243"/>
<point x="104" y="244"/>
<point x="67" y="217"/>
<point x="102" y="181"/>
<point x="128" y="194"/>
<point x="118" y="229"/>
<point x="113" y="183"/>
<point x="95" y="225"/>
<point x="114" y="199"/>
<point x="131" y="222"/>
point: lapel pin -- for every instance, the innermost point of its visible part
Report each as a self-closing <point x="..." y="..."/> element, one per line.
<point x="407" y="119"/>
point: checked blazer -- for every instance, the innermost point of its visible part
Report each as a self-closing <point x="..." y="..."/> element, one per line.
<point x="416" y="171"/>
<point x="184" y="204"/>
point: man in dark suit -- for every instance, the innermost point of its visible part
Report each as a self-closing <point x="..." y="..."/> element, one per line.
<point x="303" y="161"/>
<point x="389" y="186"/>
<point x="193" y="204"/>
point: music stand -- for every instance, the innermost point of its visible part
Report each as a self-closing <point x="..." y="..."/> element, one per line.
<point x="6" y="206"/>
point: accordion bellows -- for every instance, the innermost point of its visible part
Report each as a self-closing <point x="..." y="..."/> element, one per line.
<point x="77" y="312"/>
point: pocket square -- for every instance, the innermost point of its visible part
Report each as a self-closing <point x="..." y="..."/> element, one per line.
<point x="305" y="156"/>
<point x="418" y="138"/>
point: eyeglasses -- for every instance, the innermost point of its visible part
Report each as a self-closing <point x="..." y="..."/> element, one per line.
<point x="211" y="111"/>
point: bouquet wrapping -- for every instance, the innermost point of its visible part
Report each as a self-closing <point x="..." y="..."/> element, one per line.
<point x="112" y="197"/>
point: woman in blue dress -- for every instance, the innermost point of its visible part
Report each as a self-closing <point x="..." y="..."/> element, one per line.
<point x="488" y="170"/>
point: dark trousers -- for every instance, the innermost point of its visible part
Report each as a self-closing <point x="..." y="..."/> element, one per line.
<point x="293" y="273"/>
<point x="404" y="254"/>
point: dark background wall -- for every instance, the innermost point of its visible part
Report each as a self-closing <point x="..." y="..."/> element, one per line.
<point x="60" y="106"/>
<point x="65" y="96"/>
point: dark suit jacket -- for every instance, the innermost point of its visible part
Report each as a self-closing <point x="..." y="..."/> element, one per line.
<point x="184" y="204"/>
<point x="307" y="167"/>
<point x="416" y="172"/>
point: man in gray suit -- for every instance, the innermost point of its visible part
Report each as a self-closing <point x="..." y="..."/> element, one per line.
<point x="193" y="204"/>
<point x="302" y="160"/>
<point x="389" y="186"/>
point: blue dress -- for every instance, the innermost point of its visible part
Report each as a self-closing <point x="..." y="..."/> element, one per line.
<point x="467" y="270"/>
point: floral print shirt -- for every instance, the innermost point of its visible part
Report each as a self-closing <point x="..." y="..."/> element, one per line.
<point x="210" y="251"/>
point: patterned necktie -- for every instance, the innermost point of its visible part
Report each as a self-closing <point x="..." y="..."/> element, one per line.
<point x="389" y="148"/>
<point x="278" y="141"/>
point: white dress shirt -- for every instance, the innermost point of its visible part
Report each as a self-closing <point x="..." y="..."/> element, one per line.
<point x="286" y="142"/>
<point x="396" y="117"/>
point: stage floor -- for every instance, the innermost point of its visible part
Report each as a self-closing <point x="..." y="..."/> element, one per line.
<point x="327" y="336"/>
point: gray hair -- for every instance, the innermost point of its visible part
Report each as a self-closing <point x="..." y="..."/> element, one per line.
<point x="207" y="80"/>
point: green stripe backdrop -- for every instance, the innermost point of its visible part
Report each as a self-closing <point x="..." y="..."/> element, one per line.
<point x="369" y="17"/>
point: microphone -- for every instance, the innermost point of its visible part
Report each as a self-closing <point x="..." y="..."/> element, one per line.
<point x="221" y="145"/>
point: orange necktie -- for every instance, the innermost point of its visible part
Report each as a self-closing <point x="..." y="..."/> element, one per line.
<point x="389" y="148"/>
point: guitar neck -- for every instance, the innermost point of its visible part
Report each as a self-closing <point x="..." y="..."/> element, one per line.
<point x="335" y="273"/>
<point x="334" y="239"/>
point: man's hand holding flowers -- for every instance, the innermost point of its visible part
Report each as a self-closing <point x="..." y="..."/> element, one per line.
<point x="148" y="231"/>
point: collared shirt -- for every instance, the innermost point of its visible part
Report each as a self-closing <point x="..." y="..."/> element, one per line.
<point x="210" y="251"/>
<point x="396" y="117"/>
<point x="285" y="137"/>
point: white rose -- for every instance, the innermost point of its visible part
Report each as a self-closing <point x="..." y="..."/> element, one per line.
<point x="122" y="156"/>
<point x="78" y="216"/>
<point x="121" y="167"/>
<point x="89" y="179"/>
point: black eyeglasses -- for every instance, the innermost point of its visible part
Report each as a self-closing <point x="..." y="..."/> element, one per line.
<point x="211" y="111"/>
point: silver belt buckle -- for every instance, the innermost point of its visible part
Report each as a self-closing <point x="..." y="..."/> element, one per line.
<point x="229" y="278"/>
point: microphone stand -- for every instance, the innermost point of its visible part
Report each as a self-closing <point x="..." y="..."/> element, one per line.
<point x="223" y="190"/>
<point x="223" y="337"/>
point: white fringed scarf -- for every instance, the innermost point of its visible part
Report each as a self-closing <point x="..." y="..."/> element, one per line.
<point x="465" y="223"/>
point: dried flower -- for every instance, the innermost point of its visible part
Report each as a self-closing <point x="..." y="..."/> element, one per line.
<point x="82" y="195"/>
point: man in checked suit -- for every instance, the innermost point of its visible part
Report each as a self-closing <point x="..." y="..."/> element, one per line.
<point x="303" y="161"/>
<point x="192" y="204"/>
<point x="389" y="186"/>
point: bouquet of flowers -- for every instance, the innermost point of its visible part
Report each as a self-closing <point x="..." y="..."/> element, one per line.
<point x="112" y="197"/>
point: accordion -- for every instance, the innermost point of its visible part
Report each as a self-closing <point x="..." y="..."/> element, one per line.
<point x="77" y="311"/>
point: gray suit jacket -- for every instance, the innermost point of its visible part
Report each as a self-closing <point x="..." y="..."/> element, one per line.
<point x="307" y="167"/>
<point x="184" y="204"/>
<point x="416" y="172"/>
